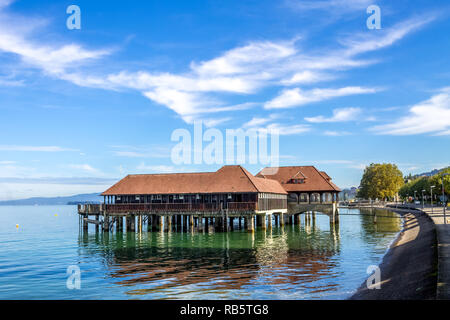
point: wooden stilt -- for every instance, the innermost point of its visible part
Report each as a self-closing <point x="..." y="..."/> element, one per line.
<point x="116" y="221"/>
<point x="250" y="223"/>
<point x="133" y="223"/>
<point x="105" y="223"/>
<point x="161" y="222"/>
<point x="206" y="227"/>
<point x="191" y="221"/>
<point x="166" y="223"/>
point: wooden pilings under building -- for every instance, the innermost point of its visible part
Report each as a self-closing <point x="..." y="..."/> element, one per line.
<point x="138" y="223"/>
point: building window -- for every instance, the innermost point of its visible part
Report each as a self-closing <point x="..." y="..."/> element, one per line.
<point x="138" y="198"/>
<point x="230" y="196"/>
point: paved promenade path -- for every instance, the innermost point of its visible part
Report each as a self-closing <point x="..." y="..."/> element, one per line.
<point x="443" y="242"/>
<point x="409" y="269"/>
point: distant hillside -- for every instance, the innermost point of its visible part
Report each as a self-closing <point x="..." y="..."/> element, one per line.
<point x="348" y="194"/>
<point x="430" y="173"/>
<point x="72" y="200"/>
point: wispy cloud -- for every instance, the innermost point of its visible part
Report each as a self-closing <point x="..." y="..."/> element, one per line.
<point x="34" y="148"/>
<point x="142" y="151"/>
<point x="94" y="181"/>
<point x="430" y="116"/>
<point x="336" y="133"/>
<point x="339" y="115"/>
<point x="11" y="82"/>
<point x="83" y="167"/>
<point x="334" y="6"/>
<point x="352" y="164"/>
<point x="269" y="123"/>
<point x="142" y="167"/>
<point x="207" y="86"/>
<point x="289" y="98"/>
<point x="7" y="162"/>
<point x="18" y="36"/>
<point x="259" y="121"/>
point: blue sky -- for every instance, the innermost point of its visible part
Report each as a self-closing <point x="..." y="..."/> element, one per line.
<point x="82" y="108"/>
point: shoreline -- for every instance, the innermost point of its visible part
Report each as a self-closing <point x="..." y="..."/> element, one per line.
<point x="409" y="268"/>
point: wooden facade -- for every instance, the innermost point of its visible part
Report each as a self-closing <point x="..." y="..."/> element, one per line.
<point x="210" y="199"/>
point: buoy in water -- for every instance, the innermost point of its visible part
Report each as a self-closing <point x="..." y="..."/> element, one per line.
<point x="56" y="215"/>
<point x="17" y="226"/>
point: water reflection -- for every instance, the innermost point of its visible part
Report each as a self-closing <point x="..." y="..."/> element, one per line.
<point x="376" y="223"/>
<point x="220" y="261"/>
<point x="302" y="259"/>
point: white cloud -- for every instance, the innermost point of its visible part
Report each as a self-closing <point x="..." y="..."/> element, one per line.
<point x="8" y="82"/>
<point x="285" y="130"/>
<point x="34" y="148"/>
<point x="7" y="162"/>
<point x="281" y="129"/>
<point x="268" y="124"/>
<point x="430" y="116"/>
<point x="362" y="43"/>
<point x="352" y="164"/>
<point x="259" y="121"/>
<point x="307" y="76"/>
<point x="83" y="167"/>
<point x="156" y="168"/>
<point x="336" y="133"/>
<point x="246" y="59"/>
<point x="212" y="122"/>
<point x="358" y="166"/>
<point x="339" y="115"/>
<point x="142" y="151"/>
<point x="57" y="60"/>
<point x="335" y="6"/>
<point x="10" y="169"/>
<point x="289" y="98"/>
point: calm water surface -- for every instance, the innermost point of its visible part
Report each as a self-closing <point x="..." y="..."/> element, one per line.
<point x="294" y="262"/>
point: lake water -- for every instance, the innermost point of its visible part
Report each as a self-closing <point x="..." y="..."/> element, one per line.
<point x="293" y="262"/>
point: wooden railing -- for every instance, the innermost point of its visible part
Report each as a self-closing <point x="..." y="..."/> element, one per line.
<point x="90" y="208"/>
<point x="178" y="207"/>
<point x="242" y="206"/>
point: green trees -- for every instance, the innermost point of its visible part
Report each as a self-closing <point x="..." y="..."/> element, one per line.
<point x="424" y="183"/>
<point x="380" y="181"/>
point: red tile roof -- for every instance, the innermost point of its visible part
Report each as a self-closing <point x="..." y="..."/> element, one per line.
<point x="228" y="179"/>
<point x="314" y="180"/>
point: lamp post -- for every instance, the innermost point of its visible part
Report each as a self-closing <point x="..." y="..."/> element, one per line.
<point x="423" y="201"/>
<point x="431" y="191"/>
<point x="415" y="198"/>
<point x="443" y="196"/>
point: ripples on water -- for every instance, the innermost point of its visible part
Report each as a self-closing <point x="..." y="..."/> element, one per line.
<point x="295" y="262"/>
